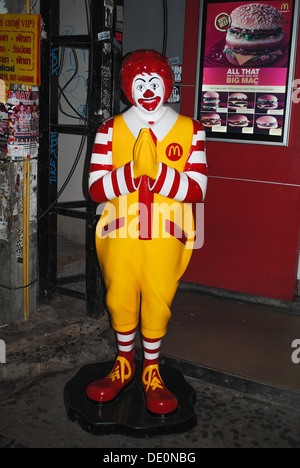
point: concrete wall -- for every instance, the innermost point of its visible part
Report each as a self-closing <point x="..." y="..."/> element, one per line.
<point x="12" y="279"/>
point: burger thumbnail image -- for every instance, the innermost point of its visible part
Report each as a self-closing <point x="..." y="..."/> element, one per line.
<point x="237" y="101"/>
<point x="209" y="120"/>
<point x="237" y="120"/>
<point x="267" y="101"/>
<point x="266" y="122"/>
<point x="255" y="35"/>
<point x="210" y="100"/>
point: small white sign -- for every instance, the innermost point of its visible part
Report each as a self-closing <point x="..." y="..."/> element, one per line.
<point x="2" y="352"/>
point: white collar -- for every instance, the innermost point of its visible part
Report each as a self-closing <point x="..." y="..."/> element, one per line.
<point x="160" y="128"/>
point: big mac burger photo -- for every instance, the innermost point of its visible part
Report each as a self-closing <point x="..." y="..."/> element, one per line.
<point x="267" y="122"/>
<point x="238" y="121"/>
<point x="267" y="102"/>
<point x="255" y="36"/>
<point x="210" y="120"/>
<point x="210" y="101"/>
<point x="237" y="101"/>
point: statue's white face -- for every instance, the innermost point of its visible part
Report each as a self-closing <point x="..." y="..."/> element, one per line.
<point x="148" y="92"/>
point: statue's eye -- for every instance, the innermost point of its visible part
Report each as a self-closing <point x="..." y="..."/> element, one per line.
<point x="140" y="87"/>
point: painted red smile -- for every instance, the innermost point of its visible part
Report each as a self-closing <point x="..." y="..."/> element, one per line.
<point x="150" y="104"/>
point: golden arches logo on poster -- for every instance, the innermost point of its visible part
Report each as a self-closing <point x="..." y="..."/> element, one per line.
<point x="20" y="49"/>
<point x="285" y="7"/>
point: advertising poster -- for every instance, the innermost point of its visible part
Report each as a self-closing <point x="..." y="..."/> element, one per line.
<point x="20" y="49"/>
<point x="3" y="119"/>
<point x="3" y="127"/>
<point x="245" y="66"/>
<point x="23" y="124"/>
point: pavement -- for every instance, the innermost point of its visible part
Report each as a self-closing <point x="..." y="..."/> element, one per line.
<point x="45" y="352"/>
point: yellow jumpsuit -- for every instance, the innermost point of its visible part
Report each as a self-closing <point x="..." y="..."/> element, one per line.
<point x="143" y="253"/>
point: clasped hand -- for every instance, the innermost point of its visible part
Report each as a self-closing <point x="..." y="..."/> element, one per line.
<point x="144" y="156"/>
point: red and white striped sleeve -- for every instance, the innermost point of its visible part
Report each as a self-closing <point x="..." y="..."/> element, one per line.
<point x="190" y="185"/>
<point x="104" y="182"/>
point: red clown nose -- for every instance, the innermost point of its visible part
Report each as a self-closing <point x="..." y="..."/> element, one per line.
<point x="148" y="94"/>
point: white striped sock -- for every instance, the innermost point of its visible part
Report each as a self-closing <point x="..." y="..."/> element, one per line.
<point x="151" y="349"/>
<point x="126" y="341"/>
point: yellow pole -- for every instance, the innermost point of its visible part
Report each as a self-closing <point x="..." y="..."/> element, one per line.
<point x="26" y="206"/>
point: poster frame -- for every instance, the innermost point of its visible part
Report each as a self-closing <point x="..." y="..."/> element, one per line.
<point x="283" y="140"/>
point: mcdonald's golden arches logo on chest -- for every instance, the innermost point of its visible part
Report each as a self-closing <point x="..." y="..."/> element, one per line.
<point x="174" y="152"/>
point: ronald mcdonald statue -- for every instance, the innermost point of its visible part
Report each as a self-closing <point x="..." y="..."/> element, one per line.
<point x="148" y="166"/>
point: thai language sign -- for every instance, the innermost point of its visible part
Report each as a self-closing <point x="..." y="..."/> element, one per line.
<point x="246" y="61"/>
<point x="20" y="49"/>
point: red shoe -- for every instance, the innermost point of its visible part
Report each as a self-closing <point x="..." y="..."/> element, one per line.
<point x="158" y="399"/>
<point x="109" y="387"/>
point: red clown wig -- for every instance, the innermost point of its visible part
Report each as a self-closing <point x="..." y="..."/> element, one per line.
<point x="146" y="61"/>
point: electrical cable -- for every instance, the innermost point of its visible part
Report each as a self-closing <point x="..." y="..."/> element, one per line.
<point x="88" y="102"/>
<point x="91" y="64"/>
<point x="165" y="30"/>
<point x="18" y="287"/>
<point x="33" y="6"/>
<point x="61" y="94"/>
<point x="61" y="89"/>
<point x="88" y="19"/>
<point x="72" y="170"/>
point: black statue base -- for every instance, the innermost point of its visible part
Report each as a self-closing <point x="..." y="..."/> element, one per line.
<point x="127" y="414"/>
